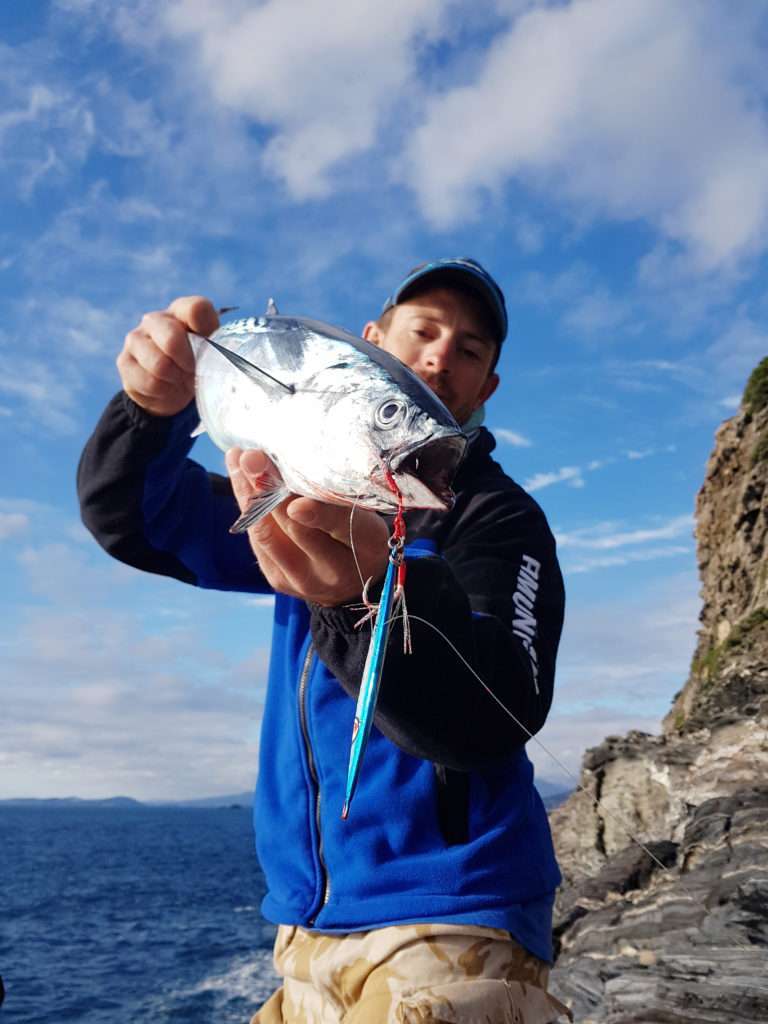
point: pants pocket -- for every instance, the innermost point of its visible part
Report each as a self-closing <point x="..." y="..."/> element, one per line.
<point x="484" y="999"/>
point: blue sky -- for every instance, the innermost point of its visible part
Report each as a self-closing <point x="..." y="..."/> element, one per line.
<point x="608" y="161"/>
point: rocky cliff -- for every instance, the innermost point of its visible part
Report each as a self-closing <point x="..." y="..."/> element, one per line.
<point x="678" y="932"/>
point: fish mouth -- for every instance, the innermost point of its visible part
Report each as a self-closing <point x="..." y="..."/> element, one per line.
<point x="424" y="471"/>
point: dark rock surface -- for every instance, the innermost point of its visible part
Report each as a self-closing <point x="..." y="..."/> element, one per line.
<point x="682" y="937"/>
<point x="676" y="929"/>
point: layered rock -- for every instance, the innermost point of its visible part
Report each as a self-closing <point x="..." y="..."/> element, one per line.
<point x="679" y="932"/>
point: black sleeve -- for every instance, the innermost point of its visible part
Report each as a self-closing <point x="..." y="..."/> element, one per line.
<point x="147" y="504"/>
<point x="497" y="595"/>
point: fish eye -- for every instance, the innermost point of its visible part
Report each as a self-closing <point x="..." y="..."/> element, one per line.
<point x="390" y="412"/>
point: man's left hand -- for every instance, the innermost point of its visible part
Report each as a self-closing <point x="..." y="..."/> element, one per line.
<point x="304" y="547"/>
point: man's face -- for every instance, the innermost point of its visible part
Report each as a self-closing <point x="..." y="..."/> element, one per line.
<point x="442" y="336"/>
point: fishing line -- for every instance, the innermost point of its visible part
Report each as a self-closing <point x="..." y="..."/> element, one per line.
<point x="363" y="583"/>
<point x="610" y="815"/>
<point x="583" y="789"/>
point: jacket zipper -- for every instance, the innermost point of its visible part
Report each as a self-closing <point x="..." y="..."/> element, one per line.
<point x="303" y="682"/>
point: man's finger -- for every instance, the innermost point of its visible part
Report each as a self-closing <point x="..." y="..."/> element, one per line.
<point x="242" y="483"/>
<point x="167" y="361"/>
<point x="251" y="472"/>
<point x="332" y="520"/>
<point x="167" y="336"/>
<point x="338" y="521"/>
<point x="266" y="533"/>
<point x="195" y="312"/>
<point x="255" y="463"/>
<point x="318" y="546"/>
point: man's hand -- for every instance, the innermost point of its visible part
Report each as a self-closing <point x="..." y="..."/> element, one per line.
<point x="156" y="365"/>
<point x="303" y="547"/>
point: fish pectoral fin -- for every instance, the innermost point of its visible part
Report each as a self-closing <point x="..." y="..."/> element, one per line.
<point x="199" y="429"/>
<point x="251" y="370"/>
<point x="259" y="506"/>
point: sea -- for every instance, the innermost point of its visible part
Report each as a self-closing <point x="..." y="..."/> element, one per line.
<point x="133" y="913"/>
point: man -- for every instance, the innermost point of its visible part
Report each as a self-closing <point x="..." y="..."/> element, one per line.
<point x="434" y="899"/>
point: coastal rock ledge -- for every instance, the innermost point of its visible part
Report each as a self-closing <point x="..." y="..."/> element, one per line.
<point x="679" y="934"/>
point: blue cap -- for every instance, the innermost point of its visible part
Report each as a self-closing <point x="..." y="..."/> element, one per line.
<point x="459" y="270"/>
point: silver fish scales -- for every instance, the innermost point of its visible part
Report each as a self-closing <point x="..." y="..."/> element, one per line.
<point x="334" y="413"/>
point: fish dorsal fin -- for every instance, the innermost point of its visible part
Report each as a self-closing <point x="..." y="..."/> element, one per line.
<point x="249" y="369"/>
<point x="199" y="429"/>
<point x="272" y="309"/>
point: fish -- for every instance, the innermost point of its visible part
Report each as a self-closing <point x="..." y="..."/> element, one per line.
<point x="339" y="418"/>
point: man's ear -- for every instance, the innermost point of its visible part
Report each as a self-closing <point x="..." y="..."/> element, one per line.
<point x="372" y="332"/>
<point x="488" y="388"/>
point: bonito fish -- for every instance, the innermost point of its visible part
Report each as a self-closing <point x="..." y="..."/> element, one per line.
<point x="339" y="417"/>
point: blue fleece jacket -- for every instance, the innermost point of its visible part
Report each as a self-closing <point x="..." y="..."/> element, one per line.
<point x="446" y="825"/>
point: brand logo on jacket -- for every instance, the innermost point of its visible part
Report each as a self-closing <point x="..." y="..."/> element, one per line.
<point x="524" y="625"/>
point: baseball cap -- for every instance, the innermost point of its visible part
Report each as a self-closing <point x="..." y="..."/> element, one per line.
<point x="459" y="270"/>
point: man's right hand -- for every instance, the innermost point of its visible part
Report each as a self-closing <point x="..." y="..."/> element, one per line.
<point x="156" y="364"/>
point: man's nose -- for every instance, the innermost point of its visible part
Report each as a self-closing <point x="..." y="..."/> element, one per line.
<point x="439" y="354"/>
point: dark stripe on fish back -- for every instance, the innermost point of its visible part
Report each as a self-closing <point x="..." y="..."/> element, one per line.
<point x="406" y="379"/>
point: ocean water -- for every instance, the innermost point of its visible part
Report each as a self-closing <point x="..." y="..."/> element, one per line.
<point x="131" y="913"/>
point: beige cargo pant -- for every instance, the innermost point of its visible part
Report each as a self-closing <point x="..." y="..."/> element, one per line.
<point x="409" y="974"/>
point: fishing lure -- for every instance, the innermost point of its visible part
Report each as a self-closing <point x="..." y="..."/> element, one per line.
<point x="391" y="601"/>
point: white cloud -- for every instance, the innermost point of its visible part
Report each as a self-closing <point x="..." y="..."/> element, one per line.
<point x="63" y="573"/>
<point x="529" y="235"/>
<point x="646" y="111"/>
<point x="12" y="523"/>
<point x="605" y="537"/>
<point x="597" y="312"/>
<point x="726" y="362"/>
<point x="588" y="306"/>
<point x="105" y="711"/>
<point x="735" y="354"/>
<point x="38" y="99"/>
<point x="602" y="662"/>
<point x="661" y="365"/>
<point x="321" y="83"/>
<point x="614" y="561"/>
<point x="634" y="454"/>
<point x="635" y="109"/>
<point x="572" y="475"/>
<point x="46" y="390"/>
<point x="611" y="679"/>
<point x="117" y="697"/>
<point x="511" y="437"/>
<point x="261" y="601"/>
<point x="80" y="327"/>
<point x="46" y="128"/>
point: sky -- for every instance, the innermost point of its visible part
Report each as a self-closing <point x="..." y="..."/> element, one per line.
<point x="607" y="160"/>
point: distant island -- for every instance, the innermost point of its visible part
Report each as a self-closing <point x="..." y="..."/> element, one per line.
<point x="552" y="793"/>
<point x="111" y="801"/>
<point x="230" y="800"/>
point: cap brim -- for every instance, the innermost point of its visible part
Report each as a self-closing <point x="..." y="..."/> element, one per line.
<point x="456" y="274"/>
